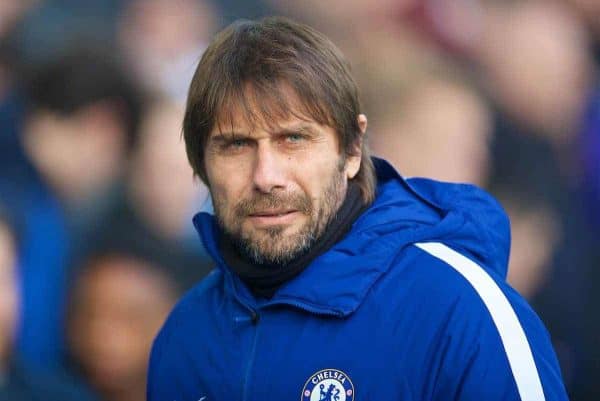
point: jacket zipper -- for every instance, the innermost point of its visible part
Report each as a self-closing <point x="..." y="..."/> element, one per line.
<point x="245" y="387"/>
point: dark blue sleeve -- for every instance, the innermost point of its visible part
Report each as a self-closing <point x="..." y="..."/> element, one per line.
<point x="483" y="361"/>
<point x="493" y="347"/>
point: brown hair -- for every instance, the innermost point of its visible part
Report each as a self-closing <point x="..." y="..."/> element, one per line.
<point x="252" y="63"/>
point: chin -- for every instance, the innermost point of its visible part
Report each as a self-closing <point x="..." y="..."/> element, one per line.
<point x="283" y="248"/>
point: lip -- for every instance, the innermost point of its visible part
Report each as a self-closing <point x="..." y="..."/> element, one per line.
<point x="273" y="217"/>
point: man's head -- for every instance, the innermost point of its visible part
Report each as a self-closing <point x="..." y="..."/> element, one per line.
<point x="273" y="127"/>
<point x="119" y="301"/>
<point x="82" y="121"/>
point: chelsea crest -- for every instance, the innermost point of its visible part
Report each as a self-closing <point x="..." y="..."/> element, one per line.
<point x="328" y="385"/>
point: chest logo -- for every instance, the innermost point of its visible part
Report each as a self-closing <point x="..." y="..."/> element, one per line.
<point x="328" y="385"/>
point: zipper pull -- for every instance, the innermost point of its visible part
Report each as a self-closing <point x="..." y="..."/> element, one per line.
<point x="252" y="317"/>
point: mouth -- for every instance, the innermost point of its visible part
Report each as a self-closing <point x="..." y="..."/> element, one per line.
<point x="273" y="217"/>
<point x="271" y="213"/>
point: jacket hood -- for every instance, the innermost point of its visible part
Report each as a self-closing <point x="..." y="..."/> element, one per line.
<point x="404" y="212"/>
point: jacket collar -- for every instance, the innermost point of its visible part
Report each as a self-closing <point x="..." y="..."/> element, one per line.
<point x="337" y="282"/>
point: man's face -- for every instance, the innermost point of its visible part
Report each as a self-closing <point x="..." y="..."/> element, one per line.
<point x="275" y="189"/>
<point x="114" y="320"/>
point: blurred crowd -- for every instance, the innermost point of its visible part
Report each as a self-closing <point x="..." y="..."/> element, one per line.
<point x="96" y="196"/>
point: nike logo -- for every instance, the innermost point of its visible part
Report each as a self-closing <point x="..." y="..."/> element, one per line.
<point x="202" y="398"/>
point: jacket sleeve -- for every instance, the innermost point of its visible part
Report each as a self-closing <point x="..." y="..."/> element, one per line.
<point x="490" y="355"/>
<point x="494" y="346"/>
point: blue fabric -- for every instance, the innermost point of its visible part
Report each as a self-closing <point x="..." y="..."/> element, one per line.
<point x="399" y="323"/>
<point x="42" y="267"/>
<point x="25" y="384"/>
<point x="44" y="282"/>
<point x="43" y="245"/>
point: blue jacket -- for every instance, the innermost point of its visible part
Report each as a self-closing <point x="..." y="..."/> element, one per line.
<point x="411" y="305"/>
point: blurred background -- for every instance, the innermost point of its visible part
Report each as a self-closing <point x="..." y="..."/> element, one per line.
<point x="96" y="196"/>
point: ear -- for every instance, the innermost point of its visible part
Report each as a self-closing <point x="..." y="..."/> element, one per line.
<point x="353" y="160"/>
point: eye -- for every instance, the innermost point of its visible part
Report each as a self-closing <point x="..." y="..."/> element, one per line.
<point x="294" y="137"/>
<point x="232" y="145"/>
<point x="238" y="143"/>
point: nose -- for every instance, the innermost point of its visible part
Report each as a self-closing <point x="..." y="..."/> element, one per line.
<point x="269" y="169"/>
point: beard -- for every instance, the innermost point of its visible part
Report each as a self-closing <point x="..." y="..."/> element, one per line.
<point x="272" y="246"/>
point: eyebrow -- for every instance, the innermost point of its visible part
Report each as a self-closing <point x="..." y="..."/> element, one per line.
<point x="227" y="136"/>
<point x="304" y="128"/>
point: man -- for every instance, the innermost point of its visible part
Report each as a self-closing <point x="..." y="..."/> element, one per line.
<point x="337" y="279"/>
<point x="77" y="135"/>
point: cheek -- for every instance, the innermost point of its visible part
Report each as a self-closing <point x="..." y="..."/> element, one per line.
<point x="317" y="176"/>
<point x="219" y="198"/>
<point x="227" y="185"/>
<point x="224" y="198"/>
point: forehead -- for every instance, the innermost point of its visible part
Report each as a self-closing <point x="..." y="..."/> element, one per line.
<point x="258" y="108"/>
<point x="121" y="277"/>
